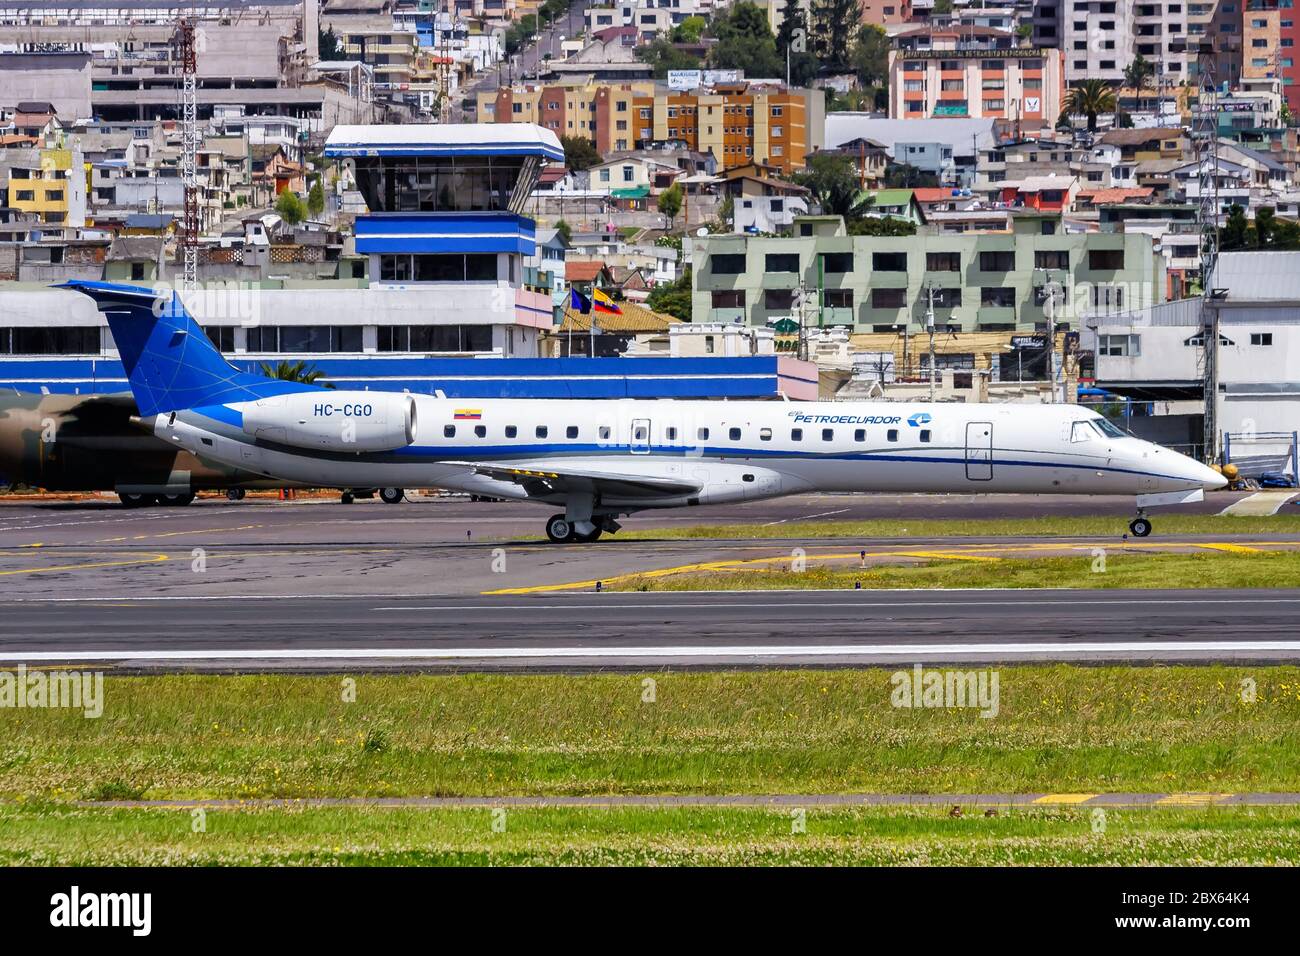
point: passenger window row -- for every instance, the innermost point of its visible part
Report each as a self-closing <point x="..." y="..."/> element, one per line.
<point x="670" y="433"/>
<point x="512" y="431"/>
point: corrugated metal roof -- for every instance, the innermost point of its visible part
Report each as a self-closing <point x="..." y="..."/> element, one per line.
<point x="964" y="135"/>
<point x="1266" y="276"/>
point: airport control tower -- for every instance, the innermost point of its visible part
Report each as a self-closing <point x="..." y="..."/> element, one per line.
<point x="445" y="216"/>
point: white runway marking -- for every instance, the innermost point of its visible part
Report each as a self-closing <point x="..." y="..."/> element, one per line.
<point x="822" y="514"/>
<point x="1261" y="503"/>
<point x="725" y="651"/>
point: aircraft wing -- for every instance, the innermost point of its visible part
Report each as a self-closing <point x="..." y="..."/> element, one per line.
<point x="544" y="478"/>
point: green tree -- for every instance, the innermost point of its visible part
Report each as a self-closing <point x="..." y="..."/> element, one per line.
<point x="672" y="298"/>
<point x="1137" y="74"/>
<point x="941" y="8"/>
<point x="869" y="58"/>
<point x="663" y="56"/>
<point x="564" y="231"/>
<point x="1232" y="237"/>
<point x="294" y="372"/>
<point x="670" y="202"/>
<point x="792" y="44"/>
<point x="904" y="176"/>
<point x="316" y="199"/>
<point x="328" y="43"/>
<point x="520" y="32"/>
<point x="832" y="32"/>
<point x="689" y="30"/>
<point x="745" y="42"/>
<point x="290" y="208"/>
<point x="1265" y="226"/>
<point x="1090" y="98"/>
<point x="579" y="152"/>
<point x="881" y="226"/>
<point x="833" y="182"/>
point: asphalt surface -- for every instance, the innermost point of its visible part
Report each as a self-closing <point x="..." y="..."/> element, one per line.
<point x="653" y="629"/>
<point x="265" y="585"/>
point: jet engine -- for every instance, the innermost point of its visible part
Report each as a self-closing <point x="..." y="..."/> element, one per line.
<point x="335" y="421"/>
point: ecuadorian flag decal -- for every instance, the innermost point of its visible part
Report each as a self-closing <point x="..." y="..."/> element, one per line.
<point x="467" y="414"/>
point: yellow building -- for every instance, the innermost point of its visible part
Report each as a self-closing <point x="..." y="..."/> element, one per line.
<point x="51" y="188"/>
<point x="737" y="123"/>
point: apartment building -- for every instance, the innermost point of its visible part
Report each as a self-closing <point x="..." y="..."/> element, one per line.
<point x="1269" y="41"/>
<point x="48" y="185"/>
<point x="736" y="123"/>
<point x="989" y="282"/>
<point x="1100" y="38"/>
<point x="1019" y="83"/>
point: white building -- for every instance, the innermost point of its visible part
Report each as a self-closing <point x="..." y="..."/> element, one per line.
<point x="1157" y="354"/>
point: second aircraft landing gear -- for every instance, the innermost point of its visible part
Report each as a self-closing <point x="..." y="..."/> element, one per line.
<point x="391" y="496"/>
<point x="1140" y="526"/>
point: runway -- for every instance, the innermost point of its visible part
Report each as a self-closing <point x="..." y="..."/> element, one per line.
<point x="264" y="585"/>
<point x="637" y="630"/>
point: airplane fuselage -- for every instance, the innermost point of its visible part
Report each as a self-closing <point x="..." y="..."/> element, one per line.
<point x="726" y="451"/>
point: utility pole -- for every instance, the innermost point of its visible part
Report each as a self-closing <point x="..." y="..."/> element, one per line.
<point x="929" y="327"/>
<point x="1050" y="292"/>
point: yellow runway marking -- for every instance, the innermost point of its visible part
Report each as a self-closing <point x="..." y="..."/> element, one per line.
<point x="944" y="555"/>
<point x="1064" y="798"/>
<point x="155" y="559"/>
<point x="731" y="564"/>
<point x="971" y="552"/>
<point x="1192" y="799"/>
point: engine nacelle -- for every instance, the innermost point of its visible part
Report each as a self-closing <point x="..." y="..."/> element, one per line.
<point x="336" y="421"/>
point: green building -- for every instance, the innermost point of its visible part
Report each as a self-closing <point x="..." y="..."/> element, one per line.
<point x="974" y="281"/>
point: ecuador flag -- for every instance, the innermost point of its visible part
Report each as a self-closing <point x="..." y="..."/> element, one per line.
<point x="603" y="303"/>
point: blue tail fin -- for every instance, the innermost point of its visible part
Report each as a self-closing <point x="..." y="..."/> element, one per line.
<point x="170" y="361"/>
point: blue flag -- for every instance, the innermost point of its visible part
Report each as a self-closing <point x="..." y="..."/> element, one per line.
<point x="579" y="301"/>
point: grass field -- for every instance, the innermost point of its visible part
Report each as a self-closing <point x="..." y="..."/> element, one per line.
<point x="594" y="836"/>
<point x="1278" y="569"/>
<point x="1166" y="525"/>
<point x="1058" y="730"/>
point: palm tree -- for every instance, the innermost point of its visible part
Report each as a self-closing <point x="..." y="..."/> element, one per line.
<point x="1090" y="98"/>
<point x="294" y="372"/>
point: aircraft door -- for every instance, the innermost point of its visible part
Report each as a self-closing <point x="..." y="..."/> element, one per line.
<point x="639" y="443"/>
<point x="979" y="451"/>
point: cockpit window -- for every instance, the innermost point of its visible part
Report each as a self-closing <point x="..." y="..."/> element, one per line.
<point x="1080" y="431"/>
<point x="1107" y="429"/>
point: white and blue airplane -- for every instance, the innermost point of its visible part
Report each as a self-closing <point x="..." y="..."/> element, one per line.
<point x="602" y="460"/>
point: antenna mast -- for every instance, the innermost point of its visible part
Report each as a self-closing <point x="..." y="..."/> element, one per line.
<point x="189" y="157"/>
<point x="1206" y="136"/>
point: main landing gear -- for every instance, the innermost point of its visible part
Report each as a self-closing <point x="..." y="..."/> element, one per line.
<point x="561" y="530"/>
<point x="391" y="496"/>
<point x="1140" y="526"/>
